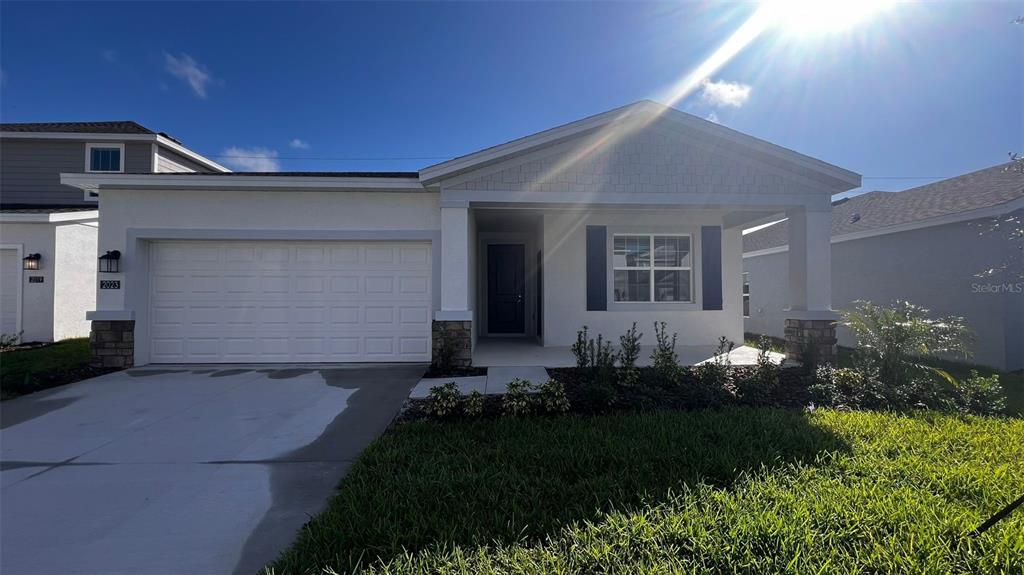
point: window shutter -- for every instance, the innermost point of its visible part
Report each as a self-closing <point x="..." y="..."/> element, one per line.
<point x="597" y="268"/>
<point x="711" y="266"/>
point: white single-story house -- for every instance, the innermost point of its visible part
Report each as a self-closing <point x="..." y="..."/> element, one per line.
<point x="632" y="215"/>
<point x="48" y="231"/>
<point x="949" y="246"/>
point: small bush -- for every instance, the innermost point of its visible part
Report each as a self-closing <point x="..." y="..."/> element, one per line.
<point x="517" y="400"/>
<point x="760" y="387"/>
<point x="629" y="352"/>
<point x="580" y="349"/>
<point x="980" y="394"/>
<point x="474" y="404"/>
<point x="9" y="340"/>
<point x="443" y="400"/>
<point x="715" y="372"/>
<point x="552" y="397"/>
<point x="664" y="358"/>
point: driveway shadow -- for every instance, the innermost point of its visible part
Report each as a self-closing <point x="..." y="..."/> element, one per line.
<point x="306" y="476"/>
<point x="29" y="407"/>
<point x="506" y="481"/>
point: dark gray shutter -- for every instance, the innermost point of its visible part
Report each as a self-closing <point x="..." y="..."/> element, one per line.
<point x="711" y="266"/>
<point x="597" y="268"/>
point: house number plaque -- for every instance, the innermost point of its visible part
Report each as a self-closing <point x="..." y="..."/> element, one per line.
<point x="110" y="284"/>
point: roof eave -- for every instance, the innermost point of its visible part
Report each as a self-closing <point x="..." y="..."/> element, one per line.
<point x="98" y="182"/>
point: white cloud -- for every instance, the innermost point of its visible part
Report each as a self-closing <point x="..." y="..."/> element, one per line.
<point x="724" y="93"/>
<point x="712" y="117"/>
<point x="193" y="73"/>
<point x="254" y="159"/>
<point x="299" y="144"/>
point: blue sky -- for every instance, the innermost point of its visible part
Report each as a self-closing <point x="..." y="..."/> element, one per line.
<point x="917" y="91"/>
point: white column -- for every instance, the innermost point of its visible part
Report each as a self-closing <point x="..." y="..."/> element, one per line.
<point x="454" y="263"/>
<point x="810" y="259"/>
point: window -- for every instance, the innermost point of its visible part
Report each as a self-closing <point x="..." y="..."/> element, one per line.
<point x="746" y="294"/>
<point x="652" y="268"/>
<point x="104" y="157"/>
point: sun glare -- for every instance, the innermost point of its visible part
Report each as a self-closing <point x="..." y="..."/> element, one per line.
<point x="814" y="17"/>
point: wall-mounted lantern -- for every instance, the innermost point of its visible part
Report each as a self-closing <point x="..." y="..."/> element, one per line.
<point x="110" y="262"/>
<point x="31" y="262"/>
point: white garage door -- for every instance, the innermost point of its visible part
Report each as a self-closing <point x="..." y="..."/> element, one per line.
<point x="10" y="276"/>
<point x="245" y="302"/>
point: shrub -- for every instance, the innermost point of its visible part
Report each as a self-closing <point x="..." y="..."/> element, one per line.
<point x="517" y="400"/>
<point x="9" y="340"/>
<point x="474" y="404"/>
<point x="629" y="352"/>
<point x="893" y="339"/>
<point x="580" y="349"/>
<point x="443" y="400"/>
<point x="715" y="372"/>
<point x="761" y="385"/>
<point x="980" y="394"/>
<point x="664" y="357"/>
<point x="848" y="388"/>
<point x="552" y="397"/>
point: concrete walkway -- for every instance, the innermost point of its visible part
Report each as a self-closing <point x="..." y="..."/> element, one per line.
<point x="494" y="383"/>
<point x="182" y="469"/>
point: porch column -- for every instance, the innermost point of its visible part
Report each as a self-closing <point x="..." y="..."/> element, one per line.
<point x="452" y="327"/>
<point x="810" y="321"/>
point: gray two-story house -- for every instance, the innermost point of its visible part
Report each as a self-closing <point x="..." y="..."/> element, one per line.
<point x="48" y="231"/>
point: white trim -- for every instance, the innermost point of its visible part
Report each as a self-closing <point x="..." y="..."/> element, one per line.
<point x="652" y="268"/>
<point x="99" y="137"/>
<point x="89" y="146"/>
<point x="156" y="156"/>
<point x="110" y="315"/>
<point x="432" y="174"/>
<point x="20" y="249"/>
<point x="9" y="218"/>
<point x="453" y="315"/>
<point x="990" y="211"/>
<point x="176" y="147"/>
<point x="97" y="182"/>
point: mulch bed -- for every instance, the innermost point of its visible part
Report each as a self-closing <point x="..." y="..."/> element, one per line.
<point x="686" y="393"/>
<point x="433" y="372"/>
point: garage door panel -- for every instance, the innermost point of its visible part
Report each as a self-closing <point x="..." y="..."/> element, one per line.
<point x="290" y="301"/>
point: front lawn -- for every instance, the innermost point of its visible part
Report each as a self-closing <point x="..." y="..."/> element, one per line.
<point x="27" y="370"/>
<point x="737" y="490"/>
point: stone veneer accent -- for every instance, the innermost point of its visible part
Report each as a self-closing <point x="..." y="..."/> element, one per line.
<point x="816" y="336"/>
<point x="458" y="334"/>
<point x="112" y="344"/>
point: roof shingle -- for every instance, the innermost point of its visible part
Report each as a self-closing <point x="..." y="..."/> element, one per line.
<point x="116" y="127"/>
<point x="875" y="210"/>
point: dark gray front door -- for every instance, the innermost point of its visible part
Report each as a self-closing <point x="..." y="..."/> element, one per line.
<point x="506" y="288"/>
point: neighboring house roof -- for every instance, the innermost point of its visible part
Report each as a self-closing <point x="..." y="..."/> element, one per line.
<point x="985" y="188"/>
<point x="115" y="127"/>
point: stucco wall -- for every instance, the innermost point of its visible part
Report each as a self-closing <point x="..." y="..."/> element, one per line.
<point x="37" y="298"/>
<point x="564" y="241"/>
<point x="933" y="267"/>
<point x="296" y="212"/>
<point x="74" y="283"/>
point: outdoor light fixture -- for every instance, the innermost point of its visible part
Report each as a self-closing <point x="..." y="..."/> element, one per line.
<point x="31" y="262"/>
<point x="110" y="262"/>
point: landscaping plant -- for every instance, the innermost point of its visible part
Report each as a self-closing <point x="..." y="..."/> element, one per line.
<point x="664" y="358"/>
<point x="980" y="394"/>
<point x="474" y="404"/>
<point x="715" y="372"/>
<point x="552" y="398"/>
<point x="761" y="385"/>
<point x="629" y="352"/>
<point x="895" y="339"/>
<point x="517" y="400"/>
<point x="443" y="400"/>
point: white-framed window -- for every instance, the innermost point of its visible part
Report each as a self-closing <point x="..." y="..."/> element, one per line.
<point x="746" y="294"/>
<point x="652" y="268"/>
<point x="104" y="158"/>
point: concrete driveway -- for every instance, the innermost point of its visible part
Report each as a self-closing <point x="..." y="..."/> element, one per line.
<point x="182" y="469"/>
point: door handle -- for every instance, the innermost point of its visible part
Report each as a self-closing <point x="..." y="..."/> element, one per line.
<point x="519" y="297"/>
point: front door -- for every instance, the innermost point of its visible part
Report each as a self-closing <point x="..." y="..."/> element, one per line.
<point x="506" y="288"/>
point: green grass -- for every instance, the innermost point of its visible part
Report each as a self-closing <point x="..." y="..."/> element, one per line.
<point x="740" y="490"/>
<point x="52" y="360"/>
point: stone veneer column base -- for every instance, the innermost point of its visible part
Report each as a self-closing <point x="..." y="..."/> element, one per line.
<point x="816" y="337"/>
<point x="456" y="334"/>
<point x="112" y="344"/>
